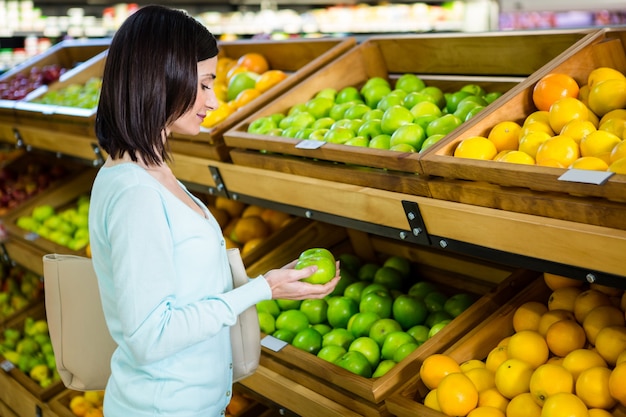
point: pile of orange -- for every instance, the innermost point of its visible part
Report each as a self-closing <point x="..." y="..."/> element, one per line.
<point x="575" y="125"/>
<point x="246" y="226"/>
<point x="87" y="404"/>
<point x="238" y="82"/>
<point x="566" y="358"/>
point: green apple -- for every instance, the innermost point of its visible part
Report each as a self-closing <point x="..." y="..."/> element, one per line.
<point x="410" y="83"/>
<point x="443" y="125"/>
<point x="415" y="97"/>
<point x="326" y="269"/>
<point x="435" y="93"/>
<point x="373" y="287"/>
<point x="370" y="128"/>
<point x="421" y="289"/>
<point x="383" y="367"/>
<point x="268" y="306"/>
<point x="458" y="303"/>
<point x="42" y="212"/>
<point x="314" y="252"/>
<point x="361" y="141"/>
<point x="322" y="328"/>
<point x="389" y="277"/>
<point x="393" y="341"/>
<point x="394" y="117"/>
<point x="262" y="125"/>
<point x="276" y="117"/>
<point x="374" y="93"/>
<point x="346" y="278"/>
<point x="409" y="311"/>
<point x="474" y="89"/>
<point x="379" y="302"/>
<point x="361" y="322"/>
<point x="410" y="134"/>
<point x="493" y="96"/>
<point x="318" y="134"/>
<point x="290" y="132"/>
<point x="437" y="327"/>
<point x="464" y="108"/>
<point x="299" y="120"/>
<point x="368" y="347"/>
<point x="425" y="108"/>
<point x="292" y="320"/>
<point x="430" y="141"/>
<point x="304" y="133"/>
<point x="367" y="271"/>
<point x="453" y="100"/>
<point x="419" y="333"/>
<point x="348" y="94"/>
<point x="350" y="262"/>
<point x="437" y="317"/>
<point x="319" y="106"/>
<point x="383" y="327"/>
<point x="239" y="82"/>
<point x="27" y="223"/>
<point x="338" y="337"/>
<point x="267" y="322"/>
<point x="339" y="135"/>
<point x="374" y="114"/>
<point x="435" y="301"/>
<point x="352" y="124"/>
<point x="473" y="112"/>
<point x="331" y="353"/>
<point x="380" y="141"/>
<point x="330" y="93"/>
<point x="391" y="99"/>
<point x="323" y="123"/>
<point x="372" y="81"/>
<point x="296" y="108"/>
<point x="284" y="335"/>
<point x="402" y="147"/>
<point x="356" y="111"/>
<point x="285" y="304"/>
<point x="340" y="309"/>
<point x="338" y="110"/>
<point x="315" y="310"/>
<point x="404" y="350"/>
<point x="400" y="263"/>
<point x="308" y="340"/>
<point x="355" y="290"/>
<point x="356" y="363"/>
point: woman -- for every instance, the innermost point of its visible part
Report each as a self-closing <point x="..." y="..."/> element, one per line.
<point x="159" y="255"/>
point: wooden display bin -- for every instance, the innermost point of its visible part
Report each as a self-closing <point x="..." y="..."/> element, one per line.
<point x="496" y="61"/>
<point x="493" y="286"/>
<point x="59" y="198"/>
<point x="533" y="189"/>
<point x="68" y="54"/>
<point x="38" y="294"/>
<point x="37" y="391"/>
<point x="299" y="58"/>
<point x="476" y="344"/>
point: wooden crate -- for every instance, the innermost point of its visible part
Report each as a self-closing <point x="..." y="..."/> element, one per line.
<point x="297" y="57"/>
<point x="448" y="61"/>
<point x="528" y="188"/>
<point x="38" y="393"/>
<point x="68" y="54"/>
<point x="58" y="118"/>
<point x="60" y="198"/>
<point x="15" y="263"/>
<point x="476" y="344"/>
<point x="493" y="284"/>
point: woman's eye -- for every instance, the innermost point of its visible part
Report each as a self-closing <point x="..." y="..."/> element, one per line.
<point x="205" y="87"/>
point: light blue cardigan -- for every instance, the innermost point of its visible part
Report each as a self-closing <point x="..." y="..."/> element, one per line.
<point x="167" y="295"/>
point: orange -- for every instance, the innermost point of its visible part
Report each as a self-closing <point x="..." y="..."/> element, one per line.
<point x="249" y="228"/>
<point x="600" y="74"/>
<point x="565" y="336"/>
<point x="470" y="364"/>
<point x="234" y="208"/>
<point x="88" y="250"/>
<point x="592" y="386"/>
<point x="554" y="281"/>
<point x="250" y="245"/>
<point x="245" y="97"/>
<point x="555" y="360"/>
<point x="220" y="215"/>
<point x="254" y="62"/>
<point x="275" y="218"/>
<point x="79" y="405"/>
<point x="592" y="163"/>
<point x="269" y="79"/>
<point x="599" y="143"/>
<point x="549" y="379"/>
<point x="564" y="298"/>
<point x="252" y="210"/>
<point x="230" y="244"/>
<point x="527" y="316"/>
<point x="607" y="95"/>
<point x="552" y="87"/>
<point x="495" y="357"/>
<point x="564" y="404"/>
<point x="561" y="149"/>
<point x="517" y="157"/>
<point x="598" y="412"/>
<point x="94" y="412"/>
<point x="504" y="342"/>
<point x="491" y="397"/>
<point x="565" y="110"/>
<point x="482" y="378"/>
<point x="621" y="358"/>
<point x="587" y="301"/>
<point x="552" y="317"/>
<point x="601" y="317"/>
<point x="618" y="151"/>
<point x="608" y="290"/>
<point x="523" y="405"/>
<point x="611" y="342"/>
<point x="223" y="65"/>
<point x="513" y="377"/>
<point x="505" y="135"/>
<point x="430" y="400"/>
<point x="581" y="359"/>
<point x="486" y="412"/>
<point x="476" y="147"/>
<point x="617" y="387"/>
<point x="436" y="367"/>
<point x="456" y="395"/>
<point x="577" y="129"/>
<point x="530" y="142"/>
<point x="619" y="166"/>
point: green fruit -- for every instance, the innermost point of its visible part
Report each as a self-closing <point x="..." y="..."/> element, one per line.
<point x="309" y="340"/>
<point x="239" y="82"/>
<point x="394" y="117"/>
<point x="443" y="125"/>
<point x="319" y="106"/>
<point x="410" y="83"/>
<point x="356" y="363"/>
<point x="348" y="94"/>
<point x="292" y="320"/>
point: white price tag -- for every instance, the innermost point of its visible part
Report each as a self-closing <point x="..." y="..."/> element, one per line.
<point x="273" y="343"/>
<point x="586" y="176"/>
<point x="310" y="144"/>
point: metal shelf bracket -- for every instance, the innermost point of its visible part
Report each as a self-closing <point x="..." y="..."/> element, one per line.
<point x="416" y="223"/>
<point x="220" y="187"/>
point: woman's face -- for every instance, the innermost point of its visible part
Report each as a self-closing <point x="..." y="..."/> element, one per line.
<point x="189" y="123"/>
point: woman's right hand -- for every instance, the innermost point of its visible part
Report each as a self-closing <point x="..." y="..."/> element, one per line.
<point x="286" y="283"/>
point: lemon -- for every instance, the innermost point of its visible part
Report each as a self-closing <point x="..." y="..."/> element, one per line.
<point x="513" y="377"/>
<point x="523" y="405"/>
<point x="547" y="380"/>
<point x="607" y="95"/>
<point x="518" y="157"/>
<point x="565" y="110"/>
<point x="619" y="166"/>
<point x="592" y="386"/>
<point x="592" y="163"/>
<point x="614" y="114"/>
<point x="618" y="151"/>
<point x="599" y="143"/>
<point x="476" y="147"/>
<point x="562" y="149"/>
<point x="505" y="135"/>
<point x="530" y="142"/>
<point x="577" y="129"/>
<point x="600" y="74"/>
<point x="457" y="395"/>
<point x="601" y="317"/>
<point x="580" y="359"/>
<point x="564" y="404"/>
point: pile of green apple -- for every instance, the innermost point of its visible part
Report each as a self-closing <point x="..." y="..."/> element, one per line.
<point x="377" y="315"/>
<point x="19" y="287"/>
<point x="408" y="117"/>
<point x="84" y="96"/>
<point x="30" y="350"/>
<point x="67" y="227"/>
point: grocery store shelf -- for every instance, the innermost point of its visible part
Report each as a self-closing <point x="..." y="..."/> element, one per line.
<point x="588" y="249"/>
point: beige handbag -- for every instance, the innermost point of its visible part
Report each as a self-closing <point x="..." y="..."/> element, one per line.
<point x="81" y="340"/>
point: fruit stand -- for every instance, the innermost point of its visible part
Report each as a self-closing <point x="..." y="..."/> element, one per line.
<point x="477" y="226"/>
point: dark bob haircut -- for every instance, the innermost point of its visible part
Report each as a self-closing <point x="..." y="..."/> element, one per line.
<point x="150" y="80"/>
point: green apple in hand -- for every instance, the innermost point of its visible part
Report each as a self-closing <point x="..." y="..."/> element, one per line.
<point x="323" y="259"/>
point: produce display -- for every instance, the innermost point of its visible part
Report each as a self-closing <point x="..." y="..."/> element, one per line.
<point x="239" y="81"/>
<point x="566" y="357"/>
<point x="30" y="350"/>
<point x="84" y="96"/>
<point x="18" y="86"/>
<point x="67" y="226"/>
<point x="378" y="314"/>
<point x="19" y="288"/>
<point x="408" y="116"/>
<point x="87" y="404"/>
<point x="574" y="126"/>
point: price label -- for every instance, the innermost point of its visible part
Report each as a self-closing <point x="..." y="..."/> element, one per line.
<point x="310" y="144"/>
<point x="273" y="343"/>
<point x="7" y="366"/>
<point x="586" y="176"/>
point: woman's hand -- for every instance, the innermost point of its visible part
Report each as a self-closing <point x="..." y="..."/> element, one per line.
<point x="286" y="283"/>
